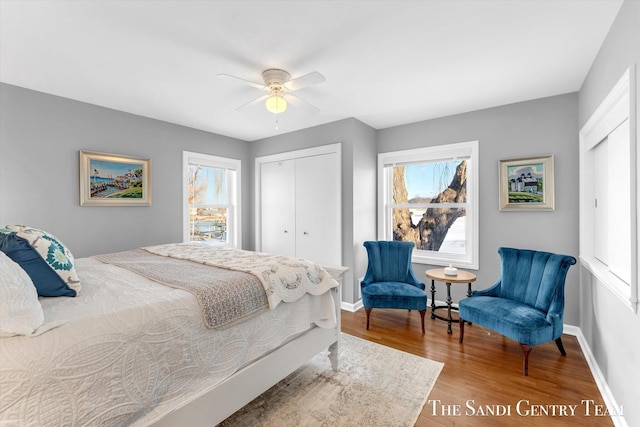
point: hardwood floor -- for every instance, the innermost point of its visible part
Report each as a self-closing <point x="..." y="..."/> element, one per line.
<point x="484" y="374"/>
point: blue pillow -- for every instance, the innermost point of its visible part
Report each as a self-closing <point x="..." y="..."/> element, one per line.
<point x="48" y="281"/>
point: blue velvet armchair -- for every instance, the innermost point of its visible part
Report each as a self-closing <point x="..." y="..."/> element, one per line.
<point x="527" y="302"/>
<point x="390" y="281"/>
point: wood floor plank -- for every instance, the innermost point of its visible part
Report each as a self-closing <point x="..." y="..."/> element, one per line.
<point x="482" y="378"/>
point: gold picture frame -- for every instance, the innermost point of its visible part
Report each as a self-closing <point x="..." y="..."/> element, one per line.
<point x="114" y="180"/>
<point x="527" y="184"/>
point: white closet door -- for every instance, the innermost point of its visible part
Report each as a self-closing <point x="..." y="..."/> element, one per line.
<point x="318" y="217"/>
<point x="278" y="212"/>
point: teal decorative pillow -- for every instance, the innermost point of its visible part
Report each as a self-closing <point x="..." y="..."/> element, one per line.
<point x="49" y="263"/>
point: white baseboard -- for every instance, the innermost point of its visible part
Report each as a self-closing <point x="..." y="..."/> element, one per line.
<point x="601" y="382"/>
<point x="358" y="305"/>
<point x="571" y="330"/>
<point x="351" y="307"/>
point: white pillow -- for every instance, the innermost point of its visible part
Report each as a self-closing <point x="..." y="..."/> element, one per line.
<point x="20" y="310"/>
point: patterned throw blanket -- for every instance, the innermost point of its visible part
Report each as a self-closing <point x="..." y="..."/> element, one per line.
<point x="225" y="297"/>
<point x="283" y="278"/>
<point x="230" y="285"/>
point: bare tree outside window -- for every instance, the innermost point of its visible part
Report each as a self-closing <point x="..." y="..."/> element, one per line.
<point x="430" y="230"/>
<point x="429" y="196"/>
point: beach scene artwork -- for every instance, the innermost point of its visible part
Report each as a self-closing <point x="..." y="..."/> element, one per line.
<point x="113" y="180"/>
<point x="116" y="179"/>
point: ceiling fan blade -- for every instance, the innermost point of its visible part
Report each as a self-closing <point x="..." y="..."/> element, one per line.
<point x="304" y="81"/>
<point x="255" y="101"/>
<point x="244" y="81"/>
<point x="301" y="103"/>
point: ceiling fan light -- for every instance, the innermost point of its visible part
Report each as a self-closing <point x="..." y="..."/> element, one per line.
<point x="276" y="104"/>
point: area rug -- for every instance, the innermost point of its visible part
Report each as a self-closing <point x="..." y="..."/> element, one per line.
<point x="375" y="386"/>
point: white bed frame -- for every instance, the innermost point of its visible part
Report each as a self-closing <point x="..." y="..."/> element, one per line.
<point x="248" y="383"/>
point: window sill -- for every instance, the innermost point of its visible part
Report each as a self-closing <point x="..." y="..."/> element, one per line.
<point x="445" y="262"/>
<point x="618" y="287"/>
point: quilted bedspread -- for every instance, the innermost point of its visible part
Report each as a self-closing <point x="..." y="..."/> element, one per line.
<point x="132" y="350"/>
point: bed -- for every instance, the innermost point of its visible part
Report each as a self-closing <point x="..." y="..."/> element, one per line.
<point x="129" y="350"/>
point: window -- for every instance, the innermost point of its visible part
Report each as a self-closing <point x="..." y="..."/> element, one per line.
<point x="608" y="193"/>
<point x="211" y="192"/>
<point x="429" y="196"/>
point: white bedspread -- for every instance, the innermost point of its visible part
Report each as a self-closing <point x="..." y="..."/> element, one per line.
<point x="132" y="350"/>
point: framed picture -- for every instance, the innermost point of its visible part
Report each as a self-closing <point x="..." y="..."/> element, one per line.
<point x="114" y="180"/>
<point x="527" y="184"/>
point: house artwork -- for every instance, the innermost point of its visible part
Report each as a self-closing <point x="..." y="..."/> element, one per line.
<point x="526" y="183"/>
<point x="525" y="179"/>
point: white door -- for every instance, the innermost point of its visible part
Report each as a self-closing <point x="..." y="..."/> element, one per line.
<point x="318" y="216"/>
<point x="278" y="212"/>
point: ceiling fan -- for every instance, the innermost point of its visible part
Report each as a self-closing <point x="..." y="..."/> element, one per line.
<point x="279" y="87"/>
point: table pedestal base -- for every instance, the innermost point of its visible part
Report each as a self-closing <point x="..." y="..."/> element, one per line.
<point x="449" y="307"/>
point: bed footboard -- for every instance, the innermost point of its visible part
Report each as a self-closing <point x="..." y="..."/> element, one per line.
<point x="254" y="379"/>
<point x="334" y="349"/>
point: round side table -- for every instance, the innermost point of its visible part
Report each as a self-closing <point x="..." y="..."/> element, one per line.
<point x="438" y="274"/>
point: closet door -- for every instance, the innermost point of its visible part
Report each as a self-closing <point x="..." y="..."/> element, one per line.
<point x="317" y="201"/>
<point x="278" y="211"/>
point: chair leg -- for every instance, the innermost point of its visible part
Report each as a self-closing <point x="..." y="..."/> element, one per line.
<point x="422" y="313"/>
<point x="461" y="331"/>
<point x="560" y="346"/>
<point x="526" y="349"/>
<point x="368" y="311"/>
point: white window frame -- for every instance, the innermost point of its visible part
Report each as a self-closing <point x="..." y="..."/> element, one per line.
<point x="617" y="108"/>
<point x="448" y="152"/>
<point x="234" y="212"/>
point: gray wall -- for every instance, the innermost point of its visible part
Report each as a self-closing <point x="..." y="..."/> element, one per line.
<point x="532" y="128"/>
<point x="364" y="206"/>
<point x="40" y="136"/>
<point x="611" y="329"/>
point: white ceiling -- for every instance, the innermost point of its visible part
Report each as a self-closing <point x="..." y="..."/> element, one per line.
<point x="386" y="63"/>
